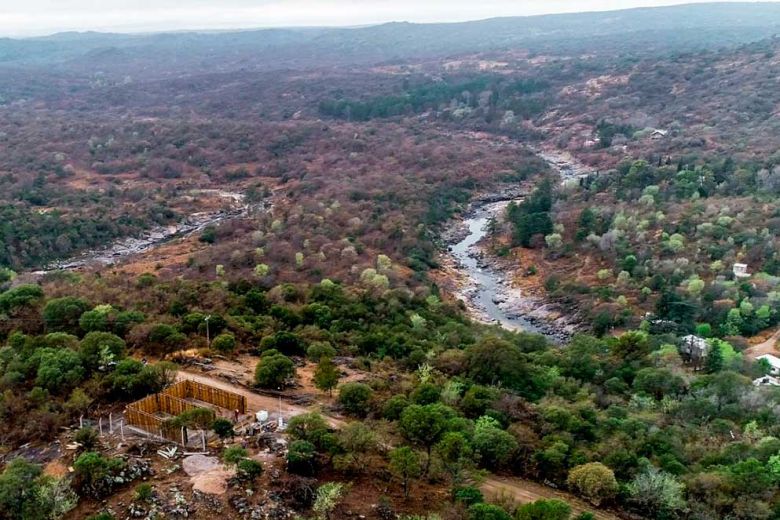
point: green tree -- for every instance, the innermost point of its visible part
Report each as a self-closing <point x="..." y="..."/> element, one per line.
<point x="164" y="338"/>
<point x="63" y="314"/>
<point x="426" y="393"/>
<point x="483" y="511"/>
<point x="594" y="481"/>
<point x="310" y="427"/>
<point x="468" y="495"/>
<point x="494" y="446"/>
<point x="224" y="343"/>
<point x="496" y="361"/>
<point x="394" y="407"/>
<point x="714" y="361"/>
<point x="327" y="498"/>
<point x="78" y="402"/>
<point x="455" y="453"/>
<point x="734" y="323"/>
<point x="658" y="382"/>
<point x="94" y="473"/>
<point x="274" y="370"/>
<point x="27" y="494"/>
<point x="98" y="350"/>
<point x="223" y="428"/>
<point x="301" y="457"/>
<point x="551" y="509"/>
<point x="125" y="320"/>
<point x="750" y="477"/>
<point x="424" y="425"/>
<point x="356" y="440"/>
<point x="586" y="223"/>
<point x="629" y="263"/>
<point x="88" y="437"/>
<point x="405" y="464"/>
<point x="19" y="297"/>
<point x="477" y="400"/>
<point x="631" y="346"/>
<point x="59" y="370"/>
<point x="97" y="319"/>
<point x="354" y="397"/>
<point x="249" y="470"/>
<point x="234" y="454"/>
<point x="319" y="350"/>
<point x="656" y="491"/>
<point x="326" y="375"/>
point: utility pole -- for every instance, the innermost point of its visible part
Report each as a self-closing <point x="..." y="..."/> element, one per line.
<point x="208" y="336"/>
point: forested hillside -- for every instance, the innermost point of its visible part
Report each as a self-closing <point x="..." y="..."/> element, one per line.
<point x="298" y="196"/>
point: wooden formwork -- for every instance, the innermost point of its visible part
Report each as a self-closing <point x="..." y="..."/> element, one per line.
<point x="151" y="412"/>
<point x="216" y="396"/>
<point x="188" y="389"/>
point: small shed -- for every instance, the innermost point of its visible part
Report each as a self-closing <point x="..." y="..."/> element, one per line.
<point x="694" y="349"/>
<point x="740" y="271"/>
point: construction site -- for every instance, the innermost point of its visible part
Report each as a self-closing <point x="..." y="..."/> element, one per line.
<point x="153" y="414"/>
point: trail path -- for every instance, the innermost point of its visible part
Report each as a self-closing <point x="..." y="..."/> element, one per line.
<point x="765" y="347"/>
<point x="526" y="491"/>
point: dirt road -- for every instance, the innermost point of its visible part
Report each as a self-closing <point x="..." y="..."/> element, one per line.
<point x="256" y="402"/>
<point x="765" y="347"/>
<point x="525" y="491"/>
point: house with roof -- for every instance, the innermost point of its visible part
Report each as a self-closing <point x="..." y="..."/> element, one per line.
<point x="766" y="381"/>
<point x="693" y="350"/>
<point x="740" y="271"/>
<point x="774" y="363"/>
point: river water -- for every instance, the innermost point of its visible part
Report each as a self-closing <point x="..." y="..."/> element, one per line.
<point x="113" y="253"/>
<point x="487" y="289"/>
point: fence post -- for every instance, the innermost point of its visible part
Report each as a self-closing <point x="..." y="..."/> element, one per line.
<point x="122" y="429"/>
<point x="100" y="426"/>
<point x="182" y="437"/>
<point x="81" y="421"/>
<point x="111" y="423"/>
<point x="203" y="440"/>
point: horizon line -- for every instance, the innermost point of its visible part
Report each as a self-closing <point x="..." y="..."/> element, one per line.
<point x="130" y="30"/>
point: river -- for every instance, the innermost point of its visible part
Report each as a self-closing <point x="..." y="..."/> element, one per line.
<point x="487" y="288"/>
<point x="236" y="207"/>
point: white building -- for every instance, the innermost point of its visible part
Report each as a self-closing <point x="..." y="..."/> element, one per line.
<point x="740" y="271"/>
<point x="694" y="349"/>
<point x="773" y="361"/>
<point x="694" y="345"/>
<point x="766" y="381"/>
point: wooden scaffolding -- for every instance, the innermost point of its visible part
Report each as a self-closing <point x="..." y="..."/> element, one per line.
<point x="151" y="413"/>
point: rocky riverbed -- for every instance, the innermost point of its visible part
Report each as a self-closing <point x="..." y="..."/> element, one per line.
<point x="486" y="283"/>
<point x="235" y="207"/>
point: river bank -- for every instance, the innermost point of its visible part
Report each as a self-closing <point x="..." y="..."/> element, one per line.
<point x="487" y="283"/>
<point x="235" y="206"/>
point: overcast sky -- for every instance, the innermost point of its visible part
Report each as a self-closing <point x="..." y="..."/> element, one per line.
<point x="36" y="17"/>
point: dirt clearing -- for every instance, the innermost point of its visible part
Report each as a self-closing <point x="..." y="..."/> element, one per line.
<point x="525" y="491"/>
<point x="256" y="402"/>
<point x="207" y="474"/>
